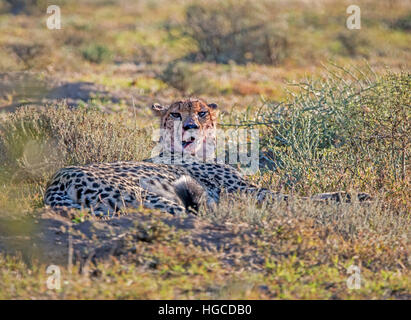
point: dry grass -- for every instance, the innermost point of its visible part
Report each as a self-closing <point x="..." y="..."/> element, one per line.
<point x="340" y="131"/>
<point x="242" y="250"/>
<point x="299" y="251"/>
<point x="37" y="141"/>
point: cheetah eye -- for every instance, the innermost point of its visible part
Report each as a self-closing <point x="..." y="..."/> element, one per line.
<point x="202" y="114"/>
<point x="175" y="115"/>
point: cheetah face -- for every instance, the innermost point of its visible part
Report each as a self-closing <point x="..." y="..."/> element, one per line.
<point x="188" y="126"/>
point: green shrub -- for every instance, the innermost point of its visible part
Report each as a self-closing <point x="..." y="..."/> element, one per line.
<point x="335" y="133"/>
<point x="96" y="53"/>
<point x="182" y="76"/>
<point x="28" y="53"/>
<point x="403" y="23"/>
<point x="240" y="31"/>
<point x="28" y="6"/>
<point x="24" y="6"/>
<point x="352" y="44"/>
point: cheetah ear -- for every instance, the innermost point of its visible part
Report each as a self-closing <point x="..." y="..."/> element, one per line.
<point x="158" y="109"/>
<point x="212" y="105"/>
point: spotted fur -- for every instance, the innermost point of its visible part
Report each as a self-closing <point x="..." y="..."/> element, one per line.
<point x="108" y="188"/>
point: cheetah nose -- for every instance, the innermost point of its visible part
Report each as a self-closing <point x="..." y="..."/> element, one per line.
<point x="189" y="126"/>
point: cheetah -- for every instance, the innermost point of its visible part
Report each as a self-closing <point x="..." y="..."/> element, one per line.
<point x="188" y="130"/>
<point x="107" y="188"/>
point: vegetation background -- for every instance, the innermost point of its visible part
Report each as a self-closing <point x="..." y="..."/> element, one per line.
<point x="332" y="106"/>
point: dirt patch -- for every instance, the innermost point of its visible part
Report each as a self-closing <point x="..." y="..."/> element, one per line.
<point x="52" y="237"/>
<point x="23" y="88"/>
<point x="75" y="92"/>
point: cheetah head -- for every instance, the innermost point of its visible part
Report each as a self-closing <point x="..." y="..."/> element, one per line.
<point x="188" y="127"/>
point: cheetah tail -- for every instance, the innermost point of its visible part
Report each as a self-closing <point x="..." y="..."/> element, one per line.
<point x="190" y="192"/>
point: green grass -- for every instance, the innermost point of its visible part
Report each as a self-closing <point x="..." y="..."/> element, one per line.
<point x="146" y="34"/>
<point x="283" y="255"/>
